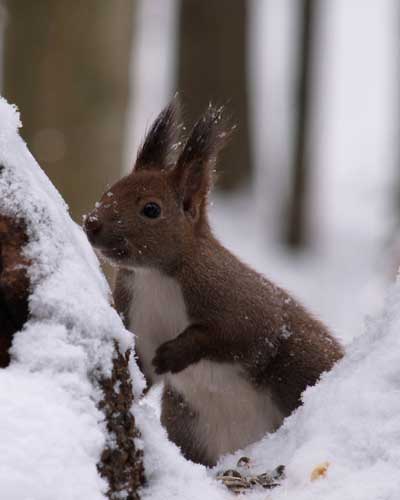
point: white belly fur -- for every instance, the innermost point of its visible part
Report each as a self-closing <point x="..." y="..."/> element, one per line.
<point x="231" y="412"/>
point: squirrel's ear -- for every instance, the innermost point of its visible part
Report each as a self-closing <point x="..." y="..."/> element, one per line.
<point x="162" y="141"/>
<point x="195" y="166"/>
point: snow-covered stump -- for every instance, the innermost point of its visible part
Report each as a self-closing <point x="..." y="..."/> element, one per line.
<point x="66" y="422"/>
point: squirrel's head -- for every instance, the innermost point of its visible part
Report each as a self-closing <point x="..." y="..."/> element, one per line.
<point x="153" y="215"/>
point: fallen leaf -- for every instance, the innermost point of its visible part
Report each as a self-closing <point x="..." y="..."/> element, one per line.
<point x="319" y="471"/>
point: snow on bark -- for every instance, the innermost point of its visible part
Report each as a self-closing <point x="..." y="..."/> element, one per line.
<point x="66" y="426"/>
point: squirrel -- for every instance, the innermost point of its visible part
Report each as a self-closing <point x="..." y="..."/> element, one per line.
<point x="234" y="350"/>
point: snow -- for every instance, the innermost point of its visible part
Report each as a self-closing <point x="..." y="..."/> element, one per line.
<point x="52" y="433"/>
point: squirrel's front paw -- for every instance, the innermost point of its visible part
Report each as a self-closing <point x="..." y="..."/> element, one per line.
<point x="169" y="358"/>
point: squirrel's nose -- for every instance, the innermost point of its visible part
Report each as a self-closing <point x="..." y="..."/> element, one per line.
<point x="92" y="227"/>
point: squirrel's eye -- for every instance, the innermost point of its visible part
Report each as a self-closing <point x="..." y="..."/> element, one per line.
<point x="151" y="210"/>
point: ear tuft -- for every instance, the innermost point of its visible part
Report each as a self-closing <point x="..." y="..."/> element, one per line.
<point x="195" y="167"/>
<point x="161" y="145"/>
<point x="208" y="136"/>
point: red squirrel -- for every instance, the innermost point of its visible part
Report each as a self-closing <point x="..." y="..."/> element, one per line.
<point x="234" y="350"/>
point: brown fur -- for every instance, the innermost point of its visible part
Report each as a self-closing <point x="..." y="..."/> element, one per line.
<point x="236" y="316"/>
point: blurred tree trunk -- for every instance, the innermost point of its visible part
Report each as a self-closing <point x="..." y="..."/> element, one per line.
<point x="296" y="233"/>
<point x="67" y="69"/>
<point x="212" y="66"/>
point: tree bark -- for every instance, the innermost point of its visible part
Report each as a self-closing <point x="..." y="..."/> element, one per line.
<point x="212" y="66"/>
<point x="296" y="230"/>
<point x="122" y="465"/>
<point x="14" y="284"/>
<point x="67" y="69"/>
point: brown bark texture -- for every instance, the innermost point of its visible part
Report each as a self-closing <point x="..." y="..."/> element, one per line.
<point x="121" y="466"/>
<point x="14" y="283"/>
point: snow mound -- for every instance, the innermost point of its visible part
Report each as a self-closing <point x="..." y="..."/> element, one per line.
<point x="51" y="431"/>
